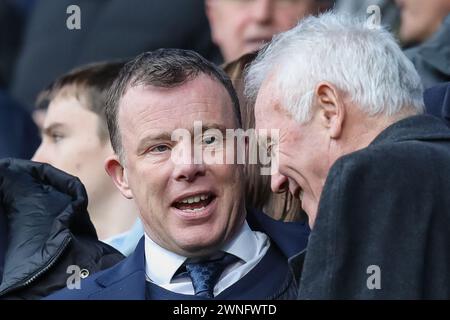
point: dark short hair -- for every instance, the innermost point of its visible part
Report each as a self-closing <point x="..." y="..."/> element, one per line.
<point x="91" y="82"/>
<point x="166" y="68"/>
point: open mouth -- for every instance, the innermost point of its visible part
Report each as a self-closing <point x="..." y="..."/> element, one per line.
<point x="194" y="203"/>
<point x="297" y="192"/>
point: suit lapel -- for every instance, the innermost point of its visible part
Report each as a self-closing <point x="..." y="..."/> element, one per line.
<point x="290" y="237"/>
<point x="125" y="281"/>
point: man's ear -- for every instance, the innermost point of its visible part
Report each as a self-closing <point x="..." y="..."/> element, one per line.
<point x="119" y="175"/>
<point x="331" y="108"/>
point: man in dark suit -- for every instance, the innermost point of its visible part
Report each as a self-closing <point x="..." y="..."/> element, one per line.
<point x="371" y="170"/>
<point x="198" y="241"/>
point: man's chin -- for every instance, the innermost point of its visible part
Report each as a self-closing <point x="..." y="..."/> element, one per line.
<point x="199" y="247"/>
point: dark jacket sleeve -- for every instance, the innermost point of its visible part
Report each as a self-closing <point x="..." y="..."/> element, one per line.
<point x="382" y="208"/>
<point x="48" y="230"/>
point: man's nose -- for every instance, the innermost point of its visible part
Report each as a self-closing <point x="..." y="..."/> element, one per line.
<point x="39" y="155"/>
<point x="188" y="172"/>
<point x="279" y="183"/>
<point x="262" y="10"/>
<point x="188" y="164"/>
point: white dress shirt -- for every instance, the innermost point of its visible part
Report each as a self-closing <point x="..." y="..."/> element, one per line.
<point x="161" y="265"/>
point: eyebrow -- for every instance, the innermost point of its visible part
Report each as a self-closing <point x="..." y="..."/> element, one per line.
<point x="162" y="136"/>
<point x="50" y="128"/>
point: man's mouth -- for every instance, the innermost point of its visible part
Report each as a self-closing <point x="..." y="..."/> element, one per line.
<point x="194" y="203"/>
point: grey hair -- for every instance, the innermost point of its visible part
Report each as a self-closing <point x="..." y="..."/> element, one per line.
<point x="362" y="59"/>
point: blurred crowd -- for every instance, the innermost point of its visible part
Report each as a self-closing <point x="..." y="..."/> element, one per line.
<point x="55" y="85"/>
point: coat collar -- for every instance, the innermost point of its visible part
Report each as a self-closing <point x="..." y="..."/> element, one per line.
<point x="126" y="280"/>
<point x="419" y="127"/>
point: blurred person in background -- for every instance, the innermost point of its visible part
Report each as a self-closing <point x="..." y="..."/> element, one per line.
<point x="13" y="18"/>
<point x="437" y="101"/>
<point x="75" y="139"/>
<point x="421" y="19"/>
<point x="10" y="35"/>
<point x="425" y="28"/>
<point x="243" y="26"/>
<point x="109" y="29"/>
<point x="389" y="11"/>
<point x="19" y="136"/>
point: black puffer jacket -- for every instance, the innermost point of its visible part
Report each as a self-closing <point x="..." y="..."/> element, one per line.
<point x="44" y="228"/>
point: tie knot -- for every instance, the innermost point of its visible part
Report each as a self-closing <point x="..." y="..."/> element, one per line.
<point x="205" y="274"/>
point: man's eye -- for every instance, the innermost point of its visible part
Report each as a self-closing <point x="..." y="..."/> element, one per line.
<point x="208" y="140"/>
<point x="56" y="137"/>
<point x="160" y="149"/>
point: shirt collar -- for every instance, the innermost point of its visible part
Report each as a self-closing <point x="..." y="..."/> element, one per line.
<point x="243" y="245"/>
<point x="164" y="263"/>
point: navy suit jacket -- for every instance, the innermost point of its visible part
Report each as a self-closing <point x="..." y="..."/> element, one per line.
<point x="126" y="280"/>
